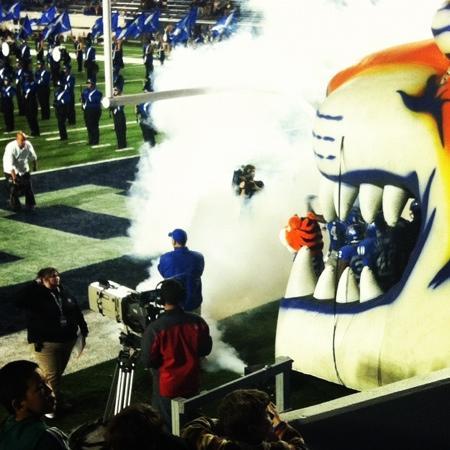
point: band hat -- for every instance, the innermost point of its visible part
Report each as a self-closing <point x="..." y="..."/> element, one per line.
<point x="90" y="81"/>
<point x="178" y="235"/>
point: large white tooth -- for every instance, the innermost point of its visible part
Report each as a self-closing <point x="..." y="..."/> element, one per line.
<point x="370" y="201"/>
<point x="368" y="285"/>
<point x="344" y="196"/>
<point x="347" y="290"/>
<point x="326" y="285"/>
<point x="302" y="279"/>
<point x="394" y="200"/>
<point x="326" y="199"/>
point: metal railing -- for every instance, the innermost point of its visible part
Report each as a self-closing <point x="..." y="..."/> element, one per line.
<point x="280" y="370"/>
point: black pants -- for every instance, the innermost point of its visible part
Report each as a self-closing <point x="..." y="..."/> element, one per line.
<point x="148" y="69"/>
<point x="91" y="119"/>
<point x="61" y="117"/>
<point x="80" y="61"/>
<point x="71" y="114"/>
<point x="120" y="127"/>
<point x="148" y="133"/>
<point x="31" y="113"/>
<point x="22" y="186"/>
<point x="43" y="95"/>
<point x="8" y="113"/>
<point x="20" y="100"/>
<point x="91" y="70"/>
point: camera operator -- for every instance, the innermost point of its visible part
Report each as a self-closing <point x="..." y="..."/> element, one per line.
<point x="53" y="320"/>
<point x="244" y="181"/>
<point x="172" y="346"/>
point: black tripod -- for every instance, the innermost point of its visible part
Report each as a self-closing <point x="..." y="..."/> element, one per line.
<point x="121" y="388"/>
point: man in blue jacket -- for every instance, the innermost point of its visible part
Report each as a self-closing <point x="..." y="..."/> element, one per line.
<point x="185" y="266"/>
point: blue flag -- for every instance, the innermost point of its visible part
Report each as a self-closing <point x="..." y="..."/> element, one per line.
<point x="133" y="29"/>
<point x="26" y="29"/>
<point x="13" y="13"/>
<point x="114" y="21"/>
<point x="47" y="16"/>
<point x="225" y="26"/>
<point x="97" y="28"/>
<point x="60" y="25"/>
<point x="184" y="27"/>
<point x="151" y="22"/>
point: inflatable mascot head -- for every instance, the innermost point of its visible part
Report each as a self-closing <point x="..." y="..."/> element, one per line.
<point x="381" y="138"/>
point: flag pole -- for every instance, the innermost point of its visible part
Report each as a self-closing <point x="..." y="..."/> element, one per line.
<point x="107" y="51"/>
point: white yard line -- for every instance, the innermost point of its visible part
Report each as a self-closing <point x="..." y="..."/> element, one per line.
<point x="100" y="145"/>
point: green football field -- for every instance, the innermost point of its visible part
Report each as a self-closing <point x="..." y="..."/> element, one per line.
<point x="80" y="227"/>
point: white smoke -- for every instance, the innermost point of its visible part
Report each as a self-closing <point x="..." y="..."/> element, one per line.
<point x="276" y="80"/>
<point x="223" y="356"/>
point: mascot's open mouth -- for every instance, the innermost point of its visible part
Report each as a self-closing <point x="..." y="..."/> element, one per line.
<point x="381" y="139"/>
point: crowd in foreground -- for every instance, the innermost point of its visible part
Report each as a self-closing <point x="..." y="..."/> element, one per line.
<point x="247" y="419"/>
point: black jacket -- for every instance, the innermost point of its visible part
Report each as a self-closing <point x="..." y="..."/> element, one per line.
<point x="46" y="320"/>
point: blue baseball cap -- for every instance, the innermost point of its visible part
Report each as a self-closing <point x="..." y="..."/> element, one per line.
<point x="179" y="235"/>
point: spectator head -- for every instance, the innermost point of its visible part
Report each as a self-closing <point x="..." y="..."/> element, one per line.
<point x="21" y="138"/>
<point x="179" y="236"/>
<point x="90" y="83"/>
<point x="24" y="391"/>
<point x="172" y="292"/>
<point x="67" y="68"/>
<point x="137" y="426"/>
<point x="49" y="277"/>
<point x="243" y="416"/>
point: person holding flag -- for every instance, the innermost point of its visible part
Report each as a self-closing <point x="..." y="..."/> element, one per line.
<point x="7" y="94"/>
<point x="148" y="57"/>
<point x="42" y="79"/>
<point x="61" y="102"/>
<point x="68" y="81"/>
<point x="89" y="62"/>
<point x="30" y="103"/>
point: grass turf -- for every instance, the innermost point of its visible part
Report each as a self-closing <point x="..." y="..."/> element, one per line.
<point x="53" y="153"/>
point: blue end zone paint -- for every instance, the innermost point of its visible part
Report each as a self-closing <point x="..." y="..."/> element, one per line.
<point x="330" y="307"/>
<point x="327" y="117"/>
<point x="76" y="221"/>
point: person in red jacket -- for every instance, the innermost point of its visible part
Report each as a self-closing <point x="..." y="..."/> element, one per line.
<point x="173" y="346"/>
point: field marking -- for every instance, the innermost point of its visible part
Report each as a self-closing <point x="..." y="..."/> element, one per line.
<point x="52" y="138"/>
<point x="83" y="141"/>
<point x="124" y="149"/>
<point x="100" y="145"/>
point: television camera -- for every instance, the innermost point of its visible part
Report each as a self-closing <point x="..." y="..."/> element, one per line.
<point x="122" y="304"/>
<point x="135" y="310"/>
